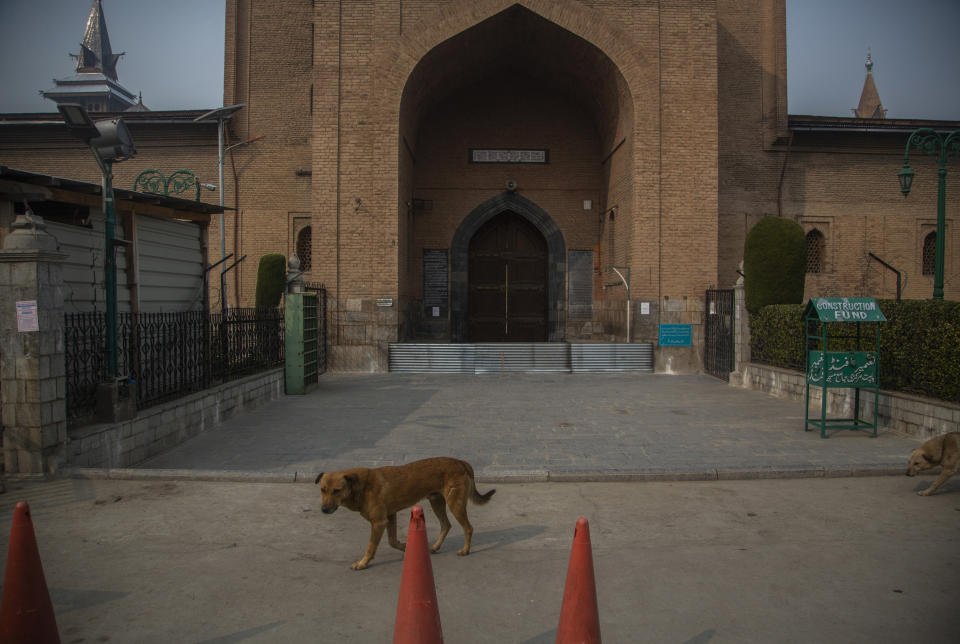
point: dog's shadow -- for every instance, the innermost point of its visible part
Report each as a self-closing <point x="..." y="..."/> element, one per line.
<point x="486" y="540"/>
<point x="492" y="539"/>
<point x="950" y="487"/>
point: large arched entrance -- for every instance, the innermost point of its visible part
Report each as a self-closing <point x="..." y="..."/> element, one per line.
<point x="550" y="118"/>
<point x="507" y="282"/>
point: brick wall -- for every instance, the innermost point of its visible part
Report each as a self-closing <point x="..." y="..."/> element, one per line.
<point x="840" y="183"/>
<point x="402" y="91"/>
<point x="671" y="118"/>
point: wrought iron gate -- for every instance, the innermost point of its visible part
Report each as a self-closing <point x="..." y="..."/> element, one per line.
<point x="718" y="324"/>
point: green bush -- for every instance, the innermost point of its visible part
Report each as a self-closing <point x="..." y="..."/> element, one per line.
<point x="919" y="343"/>
<point x="774" y="263"/>
<point x="271" y="280"/>
<point x="776" y="336"/>
<point x="920" y="347"/>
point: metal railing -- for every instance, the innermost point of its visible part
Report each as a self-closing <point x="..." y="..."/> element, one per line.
<point x="168" y="355"/>
<point x="718" y="322"/>
<point x="321" y="292"/>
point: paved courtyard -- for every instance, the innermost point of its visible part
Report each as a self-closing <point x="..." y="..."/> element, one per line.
<point x="536" y="427"/>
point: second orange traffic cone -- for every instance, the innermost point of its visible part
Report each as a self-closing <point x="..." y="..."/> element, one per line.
<point x="418" y="616"/>
<point x="579" y="617"/>
<point x="26" y="612"/>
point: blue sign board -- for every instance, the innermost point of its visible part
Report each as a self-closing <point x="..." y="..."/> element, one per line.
<point x="676" y="335"/>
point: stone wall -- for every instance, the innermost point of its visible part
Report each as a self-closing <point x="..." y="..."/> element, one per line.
<point x="914" y="416"/>
<point x="157" y="429"/>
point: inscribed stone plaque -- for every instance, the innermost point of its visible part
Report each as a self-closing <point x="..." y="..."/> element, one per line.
<point x="435" y="281"/>
<point x="479" y="155"/>
<point x="580" y="283"/>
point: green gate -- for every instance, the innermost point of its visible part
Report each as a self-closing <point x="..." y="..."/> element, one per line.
<point x="301" y="340"/>
<point x="842" y="350"/>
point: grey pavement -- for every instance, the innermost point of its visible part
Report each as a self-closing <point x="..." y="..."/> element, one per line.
<point x="688" y="562"/>
<point x="531" y="427"/>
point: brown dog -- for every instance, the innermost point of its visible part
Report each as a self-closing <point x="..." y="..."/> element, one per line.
<point x="942" y="450"/>
<point x="379" y="493"/>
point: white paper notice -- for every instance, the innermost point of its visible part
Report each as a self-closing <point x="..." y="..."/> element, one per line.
<point x="27" y="316"/>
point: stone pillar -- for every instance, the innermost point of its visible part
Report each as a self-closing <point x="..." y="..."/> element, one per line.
<point x="32" y="364"/>
<point x="741" y="334"/>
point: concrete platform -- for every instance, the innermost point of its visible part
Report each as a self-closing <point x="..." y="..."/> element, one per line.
<point x="528" y="428"/>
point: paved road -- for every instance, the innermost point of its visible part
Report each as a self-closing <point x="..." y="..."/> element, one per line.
<point x="802" y="560"/>
<point x="531" y="427"/>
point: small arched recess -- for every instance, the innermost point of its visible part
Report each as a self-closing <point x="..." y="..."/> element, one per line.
<point x="556" y="261"/>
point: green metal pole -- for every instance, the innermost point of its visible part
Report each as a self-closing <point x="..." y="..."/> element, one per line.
<point x="933" y="144"/>
<point x="941" y="225"/>
<point x="110" y="269"/>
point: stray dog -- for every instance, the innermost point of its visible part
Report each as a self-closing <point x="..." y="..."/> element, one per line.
<point x="379" y="493"/>
<point x="942" y="450"/>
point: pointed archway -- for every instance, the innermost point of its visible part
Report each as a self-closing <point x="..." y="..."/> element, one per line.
<point x="556" y="256"/>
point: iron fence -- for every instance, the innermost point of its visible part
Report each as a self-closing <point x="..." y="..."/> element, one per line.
<point x="245" y="341"/>
<point x="718" y="352"/>
<point x="168" y="355"/>
<point x="85" y="361"/>
<point x="321" y="292"/>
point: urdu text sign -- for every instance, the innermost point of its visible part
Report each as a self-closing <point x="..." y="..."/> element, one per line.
<point x="676" y="335"/>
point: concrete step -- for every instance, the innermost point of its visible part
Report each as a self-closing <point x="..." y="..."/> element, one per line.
<point x="520" y="357"/>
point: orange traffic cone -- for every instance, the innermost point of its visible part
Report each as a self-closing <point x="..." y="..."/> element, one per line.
<point x="579" y="618"/>
<point x="26" y="613"/>
<point x="418" y="617"/>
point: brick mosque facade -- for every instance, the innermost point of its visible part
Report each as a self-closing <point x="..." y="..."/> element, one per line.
<point x="434" y="162"/>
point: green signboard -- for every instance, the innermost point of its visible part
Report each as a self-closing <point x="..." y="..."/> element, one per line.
<point x="846" y="309"/>
<point x="843" y="368"/>
<point x="676" y="335"/>
<point x="856" y="369"/>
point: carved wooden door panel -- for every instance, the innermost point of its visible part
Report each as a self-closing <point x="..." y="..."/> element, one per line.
<point x="507" y="282"/>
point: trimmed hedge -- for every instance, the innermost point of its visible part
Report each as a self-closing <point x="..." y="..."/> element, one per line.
<point x="919" y="344"/>
<point x="271" y="280"/>
<point x="777" y="336"/>
<point x="774" y="263"/>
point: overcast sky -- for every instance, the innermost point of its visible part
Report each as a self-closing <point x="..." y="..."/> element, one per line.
<point x="174" y="53"/>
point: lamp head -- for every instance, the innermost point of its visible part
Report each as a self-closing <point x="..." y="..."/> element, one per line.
<point x="78" y="121"/>
<point x="906" y="178"/>
<point x="114" y="142"/>
<point x="110" y="140"/>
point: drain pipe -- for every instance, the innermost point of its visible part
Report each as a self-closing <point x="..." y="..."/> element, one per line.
<point x="886" y="265"/>
<point x="626" y="282"/>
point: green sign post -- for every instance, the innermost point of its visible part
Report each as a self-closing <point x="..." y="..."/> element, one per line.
<point x="840" y="354"/>
<point x="300" y="342"/>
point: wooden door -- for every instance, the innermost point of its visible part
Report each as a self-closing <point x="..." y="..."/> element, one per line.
<point x="507" y="276"/>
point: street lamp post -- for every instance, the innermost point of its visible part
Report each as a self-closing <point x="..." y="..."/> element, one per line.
<point x="932" y="143"/>
<point x="110" y="141"/>
<point x="222" y="115"/>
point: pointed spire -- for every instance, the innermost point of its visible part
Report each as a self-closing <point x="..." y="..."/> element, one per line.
<point x="95" y="84"/>
<point x="96" y="54"/>
<point x="870" y="106"/>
